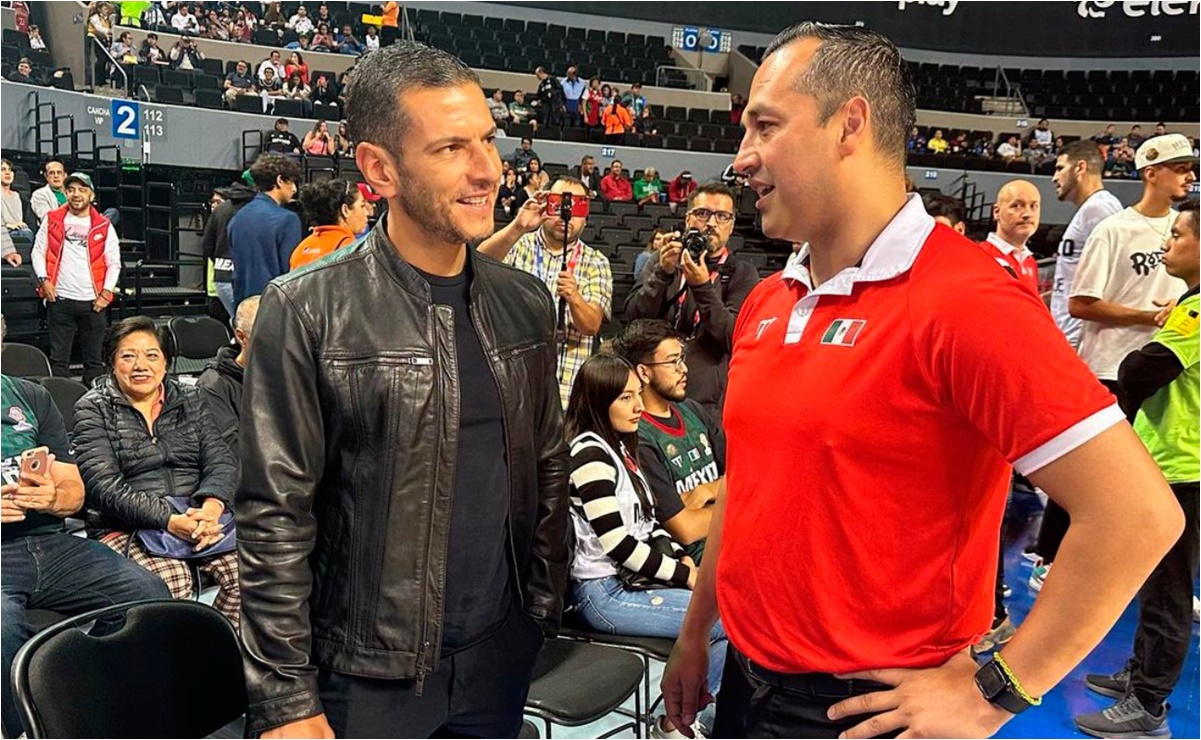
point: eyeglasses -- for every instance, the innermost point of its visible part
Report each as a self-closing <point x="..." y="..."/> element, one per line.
<point x="704" y="214"/>
<point x="679" y="363"/>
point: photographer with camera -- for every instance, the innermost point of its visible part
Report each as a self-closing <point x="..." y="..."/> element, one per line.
<point x="699" y="287"/>
<point x="543" y="239"/>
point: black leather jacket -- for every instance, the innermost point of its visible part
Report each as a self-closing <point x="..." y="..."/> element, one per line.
<point x="348" y="454"/>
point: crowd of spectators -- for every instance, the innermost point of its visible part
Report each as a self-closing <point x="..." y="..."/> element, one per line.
<point x="1039" y="148"/>
<point x="248" y="22"/>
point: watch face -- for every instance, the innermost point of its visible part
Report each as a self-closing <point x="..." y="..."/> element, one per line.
<point x="990" y="681"/>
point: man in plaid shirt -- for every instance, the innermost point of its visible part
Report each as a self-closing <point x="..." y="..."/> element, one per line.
<point x="576" y="274"/>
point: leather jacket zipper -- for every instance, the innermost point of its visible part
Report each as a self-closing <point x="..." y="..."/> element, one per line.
<point x="423" y="650"/>
<point x="422" y="669"/>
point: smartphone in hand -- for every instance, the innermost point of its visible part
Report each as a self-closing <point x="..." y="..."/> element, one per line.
<point x="35" y="461"/>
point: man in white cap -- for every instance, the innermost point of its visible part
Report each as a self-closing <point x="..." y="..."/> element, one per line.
<point x="1121" y="290"/>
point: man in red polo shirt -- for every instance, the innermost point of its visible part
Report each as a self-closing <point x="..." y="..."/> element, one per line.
<point x="1017" y="214"/>
<point x="853" y="558"/>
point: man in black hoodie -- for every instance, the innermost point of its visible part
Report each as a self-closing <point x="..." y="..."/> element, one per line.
<point x="221" y="382"/>
<point x="215" y="241"/>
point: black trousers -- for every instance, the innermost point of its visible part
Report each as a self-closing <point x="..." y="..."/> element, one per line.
<point x="756" y="702"/>
<point x="1165" y="622"/>
<point x="66" y="319"/>
<point x="1055" y="519"/>
<point x="999" y="611"/>
<point x="479" y="691"/>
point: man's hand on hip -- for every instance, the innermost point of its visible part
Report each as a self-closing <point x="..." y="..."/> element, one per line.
<point x="929" y="702"/>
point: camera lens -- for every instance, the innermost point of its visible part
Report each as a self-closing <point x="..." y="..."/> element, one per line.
<point x="695" y="244"/>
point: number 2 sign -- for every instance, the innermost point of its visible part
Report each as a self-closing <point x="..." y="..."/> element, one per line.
<point x="126" y="116"/>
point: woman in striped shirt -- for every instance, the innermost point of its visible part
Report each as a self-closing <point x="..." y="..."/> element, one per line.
<point x="613" y="516"/>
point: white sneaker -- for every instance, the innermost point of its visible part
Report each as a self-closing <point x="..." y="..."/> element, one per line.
<point x="1196" y="609"/>
<point x="656" y="730"/>
<point x="1039" y="575"/>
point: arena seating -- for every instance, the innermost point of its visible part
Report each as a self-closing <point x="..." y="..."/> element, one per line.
<point x="1098" y="95"/>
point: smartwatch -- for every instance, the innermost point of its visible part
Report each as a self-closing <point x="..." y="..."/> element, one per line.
<point x="997" y="689"/>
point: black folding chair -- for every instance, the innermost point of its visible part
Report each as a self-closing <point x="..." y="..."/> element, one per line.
<point x="24" y="361"/>
<point x="174" y="669"/>
<point x="577" y="683"/>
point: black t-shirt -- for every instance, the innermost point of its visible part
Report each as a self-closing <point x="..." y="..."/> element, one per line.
<point x="30" y="419"/>
<point x="477" y="567"/>
<point x="282" y="142"/>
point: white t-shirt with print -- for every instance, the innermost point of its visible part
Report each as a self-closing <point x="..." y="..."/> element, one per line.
<point x="1122" y="263"/>
<point x="1098" y="207"/>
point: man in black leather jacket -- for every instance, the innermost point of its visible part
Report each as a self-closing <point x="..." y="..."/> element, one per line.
<point x="402" y="513"/>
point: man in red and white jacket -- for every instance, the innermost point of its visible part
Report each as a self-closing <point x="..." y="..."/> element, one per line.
<point x="1017" y="214"/>
<point x="77" y="259"/>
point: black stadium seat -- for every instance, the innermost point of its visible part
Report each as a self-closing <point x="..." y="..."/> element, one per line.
<point x="209" y="98"/>
<point x="286" y="108"/>
<point x="248" y="104"/>
<point x="168" y="94"/>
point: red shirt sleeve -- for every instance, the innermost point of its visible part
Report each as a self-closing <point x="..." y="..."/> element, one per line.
<point x="992" y="352"/>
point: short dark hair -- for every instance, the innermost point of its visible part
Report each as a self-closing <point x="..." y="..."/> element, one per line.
<point x="570" y="180"/>
<point x="947" y="206"/>
<point x="640" y="338"/>
<point x="269" y="167"/>
<point x="1084" y="150"/>
<point x="54" y="160"/>
<point x="1189" y="208"/>
<point x="713" y="187"/>
<point x="284" y="121"/>
<point x="134" y="324"/>
<point x="373" y="110"/>
<point x="850" y="61"/>
<point x="322" y="201"/>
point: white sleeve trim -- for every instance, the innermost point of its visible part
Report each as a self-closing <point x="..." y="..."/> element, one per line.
<point x="1073" y="437"/>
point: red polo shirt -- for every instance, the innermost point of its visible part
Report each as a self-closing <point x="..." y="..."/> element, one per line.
<point x="1019" y="262"/>
<point x="871" y="423"/>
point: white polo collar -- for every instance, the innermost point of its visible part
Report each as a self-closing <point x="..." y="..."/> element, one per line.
<point x="1007" y="248"/>
<point x="891" y="254"/>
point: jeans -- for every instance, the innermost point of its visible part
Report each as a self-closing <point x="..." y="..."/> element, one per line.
<point x="478" y="691"/>
<point x="65" y="318"/>
<point x="225" y="292"/>
<point x="1165" y="622"/>
<point x="114" y="217"/>
<point x="607" y="607"/>
<point x="69" y="575"/>
<point x="24" y="234"/>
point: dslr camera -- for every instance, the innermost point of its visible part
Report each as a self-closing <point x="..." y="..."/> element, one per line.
<point x="696" y="244"/>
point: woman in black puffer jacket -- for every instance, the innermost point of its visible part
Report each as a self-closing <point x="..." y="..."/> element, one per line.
<point x="157" y="473"/>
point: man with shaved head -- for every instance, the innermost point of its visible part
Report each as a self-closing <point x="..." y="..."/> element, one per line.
<point x="853" y="543"/>
<point x="1016" y="212"/>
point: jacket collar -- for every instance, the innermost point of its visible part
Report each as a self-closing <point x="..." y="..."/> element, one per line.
<point x="891" y="254"/>
<point x="409" y="279"/>
<point x="171" y="394"/>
